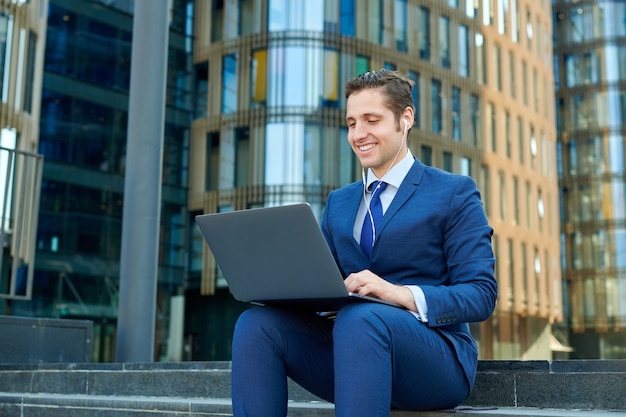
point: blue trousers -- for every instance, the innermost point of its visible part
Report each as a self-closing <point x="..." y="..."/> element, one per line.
<point x="371" y="358"/>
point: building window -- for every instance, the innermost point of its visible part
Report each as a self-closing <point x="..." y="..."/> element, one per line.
<point x="293" y="155"/>
<point x="242" y="156"/>
<point x="217" y="20"/>
<point x="427" y="155"/>
<point x="346" y="18"/>
<point x="444" y="41"/>
<point x="529" y="210"/>
<point x="463" y="51"/>
<point x="540" y="210"/>
<point x="544" y="155"/>
<point x="497" y="58"/>
<point x="515" y="200"/>
<point x="201" y="90"/>
<point x="487" y="12"/>
<point x="481" y="74"/>
<point x="229" y="87"/>
<point x="520" y="139"/>
<point x="529" y="30"/>
<point x="400" y="20"/>
<point x="507" y="133"/>
<point x="346" y="158"/>
<point x="212" y="161"/>
<point x="331" y="78"/>
<point x="512" y="66"/>
<point x="502" y="195"/>
<point x="491" y="127"/>
<point x="474" y="119"/>
<point x="6" y="41"/>
<point x="246" y="17"/>
<point x="179" y="80"/>
<point x="436" y="107"/>
<point x="503" y="9"/>
<point x="29" y="73"/>
<point x="536" y="96"/>
<point x="511" y="270"/>
<point x="486" y="188"/>
<point x="296" y="76"/>
<point x="448" y="163"/>
<point x="537" y="268"/>
<point x="524" y="263"/>
<point x="515" y="25"/>
<point x="424" y="33"/>
<point x="286" y="15"/>
<point x="533" y="148"/>
<point x="362" y="65"/>
<point x="456" y="114"/>
<point x="466" y="166"/>
<point x="524" y="84"/>
<point x="258" y="78"/>
<point x="376" y="22"/>
<point x="175" y="155"/>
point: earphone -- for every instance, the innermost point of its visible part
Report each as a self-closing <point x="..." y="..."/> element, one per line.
<point x="367" y="203"/>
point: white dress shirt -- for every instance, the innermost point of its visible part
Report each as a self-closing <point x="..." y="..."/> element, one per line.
<point x="393" y="178"/>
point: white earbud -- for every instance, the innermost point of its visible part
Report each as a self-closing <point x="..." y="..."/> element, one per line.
<point x="406" y="125"/>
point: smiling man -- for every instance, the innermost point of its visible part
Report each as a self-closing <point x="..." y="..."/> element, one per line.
<point x="407" y="233"/>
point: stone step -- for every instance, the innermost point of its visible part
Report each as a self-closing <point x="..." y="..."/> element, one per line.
<point x="531" y="388"/>
<point x="59" y="405"/>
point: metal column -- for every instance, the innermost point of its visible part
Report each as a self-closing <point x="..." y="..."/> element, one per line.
<point x="142" y="188"/>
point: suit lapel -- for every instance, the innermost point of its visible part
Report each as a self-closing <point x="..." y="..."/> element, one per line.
<point x="348" y="205"/>
<point x="404" y="193"/>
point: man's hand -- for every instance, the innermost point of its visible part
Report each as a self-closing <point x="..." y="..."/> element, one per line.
<point x="370" y="284"/>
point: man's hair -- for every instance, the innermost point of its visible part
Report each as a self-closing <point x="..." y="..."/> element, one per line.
<point x="395" y="87"/>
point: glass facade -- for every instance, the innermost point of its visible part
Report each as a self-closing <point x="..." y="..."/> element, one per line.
<point x="274" y="130"/>
<point x="591" y="115"/>
<point x="83" y="125"/>
<point x="22" y="28"/>
<point x="256" y="117"/>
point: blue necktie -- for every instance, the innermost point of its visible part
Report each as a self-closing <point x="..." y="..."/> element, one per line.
<point x="376" y="209"/>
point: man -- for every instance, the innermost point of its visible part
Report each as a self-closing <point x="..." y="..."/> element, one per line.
<point x="430" y="253"/>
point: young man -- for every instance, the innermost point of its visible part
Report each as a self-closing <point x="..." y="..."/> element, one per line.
<point x="431" y="253"/>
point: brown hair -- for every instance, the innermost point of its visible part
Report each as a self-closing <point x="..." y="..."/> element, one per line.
<point x="395" y="87"/>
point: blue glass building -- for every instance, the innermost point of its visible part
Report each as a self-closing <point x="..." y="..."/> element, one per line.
<point x="83" y="123"/>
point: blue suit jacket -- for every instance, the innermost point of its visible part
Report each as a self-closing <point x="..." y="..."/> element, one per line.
<point x="434" y="234"/>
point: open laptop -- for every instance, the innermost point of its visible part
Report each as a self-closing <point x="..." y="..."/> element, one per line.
<point x="277" y="255"/>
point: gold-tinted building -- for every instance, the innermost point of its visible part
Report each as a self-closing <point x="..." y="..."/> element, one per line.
<point x="269" y="128"/>
<point x="590" y="57"/>
<point x="22" y="44"/>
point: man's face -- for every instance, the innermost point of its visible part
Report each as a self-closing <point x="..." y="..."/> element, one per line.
<point x="373" y="133"/>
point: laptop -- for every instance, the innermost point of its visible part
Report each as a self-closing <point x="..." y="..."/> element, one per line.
<point x="277" y="255"/>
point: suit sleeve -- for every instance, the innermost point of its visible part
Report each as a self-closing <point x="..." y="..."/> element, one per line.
<point x="470" y="293"/>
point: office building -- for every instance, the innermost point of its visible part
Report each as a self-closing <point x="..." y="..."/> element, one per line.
<point x="82" y="136"/>
<point x="22" y="45"/>
<point x="269" y="129"/>
<point x="590" y="69"/>
<point x="255" y="117"/>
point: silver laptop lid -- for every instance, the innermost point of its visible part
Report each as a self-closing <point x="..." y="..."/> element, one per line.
<point x="273" y="253"/>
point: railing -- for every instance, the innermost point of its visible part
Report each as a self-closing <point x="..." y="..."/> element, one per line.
<point x="20" y="186"/>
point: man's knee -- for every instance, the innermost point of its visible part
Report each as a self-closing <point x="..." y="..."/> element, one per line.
<point x="357" y="317"/>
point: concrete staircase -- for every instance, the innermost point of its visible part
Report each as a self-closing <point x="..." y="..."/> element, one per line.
<point x="503" y="388"/>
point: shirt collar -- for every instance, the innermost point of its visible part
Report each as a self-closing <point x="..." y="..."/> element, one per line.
<point x="396" y="175"/>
